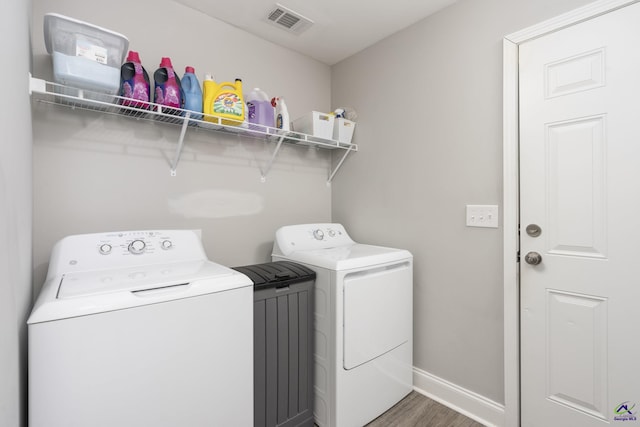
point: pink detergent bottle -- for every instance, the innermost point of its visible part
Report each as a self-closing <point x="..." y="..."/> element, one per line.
<point x="168" y="90"/>
<point x="134" y="83"/>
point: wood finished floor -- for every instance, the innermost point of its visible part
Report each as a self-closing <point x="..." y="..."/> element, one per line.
<point x="417" y="410"/>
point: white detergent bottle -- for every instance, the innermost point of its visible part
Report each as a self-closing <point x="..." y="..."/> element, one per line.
<point x="282" y="114"/>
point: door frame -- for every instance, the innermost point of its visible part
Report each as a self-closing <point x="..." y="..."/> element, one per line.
<point x="510" y="178"/>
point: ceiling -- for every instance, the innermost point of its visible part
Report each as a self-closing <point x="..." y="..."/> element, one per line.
<point x="339" y="28"/>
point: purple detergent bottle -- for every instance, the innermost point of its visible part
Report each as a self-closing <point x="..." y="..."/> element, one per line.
<point x="134" y="83"/>
<point x="168" y="91"/>
<point x="260" y="110"/>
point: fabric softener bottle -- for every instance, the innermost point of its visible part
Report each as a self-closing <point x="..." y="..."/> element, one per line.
<point x="168" y="91"/>
<point x="134" y="83"/>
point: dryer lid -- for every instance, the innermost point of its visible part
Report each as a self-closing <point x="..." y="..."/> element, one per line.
<point x="349" y="257"/>
<point x="329" y="246"/>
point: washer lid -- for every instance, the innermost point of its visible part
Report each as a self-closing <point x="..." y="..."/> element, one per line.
<point x="82" y="293"/>
<point x="349" y="257"/>
<point x="138" y="279"/>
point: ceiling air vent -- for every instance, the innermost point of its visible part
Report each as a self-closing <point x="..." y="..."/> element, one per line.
<point x="288" y="20"/>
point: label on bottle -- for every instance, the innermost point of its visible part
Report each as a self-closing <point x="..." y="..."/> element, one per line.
<point x="251" y="111"/>
<point x="170" y="96"/>
<point x="228" y="103"/>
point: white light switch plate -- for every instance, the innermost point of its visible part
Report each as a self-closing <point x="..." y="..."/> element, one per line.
<point x="482" y="216"/>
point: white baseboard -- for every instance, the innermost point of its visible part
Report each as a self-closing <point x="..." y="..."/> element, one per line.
<point x="468" y="403"/>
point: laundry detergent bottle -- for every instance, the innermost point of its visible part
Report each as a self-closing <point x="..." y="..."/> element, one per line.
<point x="168" y="90"/>
<point x="192" y="93"/>
<point x="223" y="101"/>
<point x="282" y="114"/>
<point x="260" y="110"/>
<point x="134" y="83"/>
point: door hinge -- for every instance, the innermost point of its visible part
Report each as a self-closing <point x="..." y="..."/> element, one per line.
<point x="518" y="253"/>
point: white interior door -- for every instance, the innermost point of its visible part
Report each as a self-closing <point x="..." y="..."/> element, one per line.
<point x="580" y="183"/>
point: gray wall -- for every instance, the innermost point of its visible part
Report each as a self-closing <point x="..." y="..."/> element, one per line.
<point x="15" y="212"/>
<point x="94" y="173"/>
<point x="429" y="101"/>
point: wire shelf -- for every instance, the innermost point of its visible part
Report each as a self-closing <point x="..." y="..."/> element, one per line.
<point x="81" y="99"/>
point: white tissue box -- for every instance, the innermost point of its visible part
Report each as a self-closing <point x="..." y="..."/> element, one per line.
<point x="319" y="125"/>
<point x="343" y="130"/>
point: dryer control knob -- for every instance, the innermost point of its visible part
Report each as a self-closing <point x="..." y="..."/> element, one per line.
<point x="318" y="234"/>
<point x="166" y="244"/>
<point x="137" y="247"/>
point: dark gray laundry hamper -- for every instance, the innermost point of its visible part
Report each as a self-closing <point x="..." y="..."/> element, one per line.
<point x="283" y="343"/>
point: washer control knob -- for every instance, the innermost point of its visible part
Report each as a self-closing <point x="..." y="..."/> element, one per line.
<point x="332" y="233"/>
<point x="105" y="249"/>
<point x="318" y="234"/>
<point x="137" y="246"/>
<point x="166" y="244"/>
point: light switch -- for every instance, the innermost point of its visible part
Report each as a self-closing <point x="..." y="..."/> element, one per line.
<point x="482" y="216"/>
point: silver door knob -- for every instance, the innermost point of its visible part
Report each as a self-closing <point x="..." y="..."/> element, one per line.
<point x="533" y="258"/>
<point x="533" y="230"/>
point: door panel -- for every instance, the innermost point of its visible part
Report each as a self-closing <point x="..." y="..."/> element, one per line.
<point x="570" y="75"/>
<point x="580" y="182"/>
<point x="577" y="324"/>
<point x="377" y="304"/>
<point x="576" y="187"/>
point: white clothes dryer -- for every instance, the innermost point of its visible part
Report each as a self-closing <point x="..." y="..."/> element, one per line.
<point x="140" y="329"/>
<point x="363" y="321"/>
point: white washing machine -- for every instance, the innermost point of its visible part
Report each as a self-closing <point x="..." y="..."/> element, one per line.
<point x="363" y="321"/>
<point x="140" y="329"/>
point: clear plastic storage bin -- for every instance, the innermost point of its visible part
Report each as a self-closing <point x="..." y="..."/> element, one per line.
<point x="84" y="56"/>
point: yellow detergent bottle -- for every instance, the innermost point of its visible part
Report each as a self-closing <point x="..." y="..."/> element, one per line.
<point x="222" y="100"/>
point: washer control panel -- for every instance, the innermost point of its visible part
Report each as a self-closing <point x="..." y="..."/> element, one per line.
<point x="307" y="237"/>
<point x="125" y="249"/>
<point x="135" y="243"/>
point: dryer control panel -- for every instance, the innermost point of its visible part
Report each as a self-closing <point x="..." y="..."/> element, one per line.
<point x="305" y="237"/>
